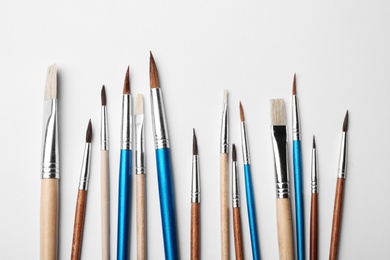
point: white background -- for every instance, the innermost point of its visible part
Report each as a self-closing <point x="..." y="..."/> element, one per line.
<point x="340" y="51"/>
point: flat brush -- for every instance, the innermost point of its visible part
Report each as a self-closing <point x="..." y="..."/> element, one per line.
<point x="164" y="166"/>
<point x="250" y="198"/>
<point x="279" y="145"/>
<point x="195" y="202"/>
<point x="314" y="204"/>
<point x="50" y="170"/>
<point x="338" y="202"/>
<point x="236" y="208"/>
<point x="81" y="203"/>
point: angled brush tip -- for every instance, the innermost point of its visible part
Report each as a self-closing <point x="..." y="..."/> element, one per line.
<point x="103" y="96"/>
<point x="234" y="154"/>
<point x="153" y="74"/>
<point x="294" y="88"/>
<point x="88" y="135"/>
<point x="345" y="124"/>
<point x="278" y="112"/>
<point x="242" y="116"/>
<point x="139" y="107"/>
<point x="126" y="85"/>
<point x="314" y="142"/>
<point x="194" y="143"/>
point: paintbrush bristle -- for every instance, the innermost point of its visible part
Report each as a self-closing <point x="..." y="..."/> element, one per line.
<point x="88" y="135"/>
<point x="51" y="83"/>
<point x="139" y="106"/>
<point x="345" y="124"/>
<point x="294" y="88"/>
<point x="103" y="96"/>
<point x="314" y="142"/>
<point x="194" y="143"/>
<point x="234" y="154"/>
<point x="225" y="96"/>
<point x="126" y="85"/>
<point x="153" y="74"/>
<point x="278" y="112"/>
<point x="242" y="116"/>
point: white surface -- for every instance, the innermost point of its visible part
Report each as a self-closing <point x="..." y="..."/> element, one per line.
<point x="340" y="51"/>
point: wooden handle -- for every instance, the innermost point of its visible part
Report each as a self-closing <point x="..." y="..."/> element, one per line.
<point x="237" y="234"/>
<point x="224" y="196"/>
<point x="285" y="236"/>
<point x="195" y="231"/>
<point x="141" y="216"/>
<point x="105" y="205"/>
<point x="314" y="227"/>
<point x="78" y="225"/>
<point x="338" y="203"/>
<point x="49" y="219"/>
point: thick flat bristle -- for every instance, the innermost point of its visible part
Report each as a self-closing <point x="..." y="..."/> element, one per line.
<point x="139" y="106"/>
<point x="153" y="74"/>
<point x="88" y="135"/>
<point x="278" y="112"/>
<point x="51" y="83"/>
<point x="234" y="154"/>
<point x="225" y="96"/>
<point x="103" y="96"/>
<point x="194" y="143"/>
<point x="314" y="142"/>
<point x="294" y="88"/>
<point x="126" y="85"/>
<point x="345" y="124"/>
<point x="242" y="116"/>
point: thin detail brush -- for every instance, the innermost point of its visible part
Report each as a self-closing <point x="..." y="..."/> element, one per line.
<point x="314" y="204"/>
<point x="195" y="202"/>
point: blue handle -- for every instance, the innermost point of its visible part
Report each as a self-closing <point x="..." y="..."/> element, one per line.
<point x="250" y="199"/>
<point x="124" y="199"/>
<point x="300" y="227"/>
<point x="167" y="203"/>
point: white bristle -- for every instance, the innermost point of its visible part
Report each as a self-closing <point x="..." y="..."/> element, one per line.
<point x="225" y="96"/>
<point x="139" y="107"/>
<point x="278" y="112"/>
<point x="51" y="82"/>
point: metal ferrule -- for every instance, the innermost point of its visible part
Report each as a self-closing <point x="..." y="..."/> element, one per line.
<point x="224" y="130"/>
<point x="244" y="142"/>
<point x="127" y="123"/>
<point x="85" y="168"/>
<point x="50" y="162"/>
<point x="104" y="130"/>
<point x="195" y="185"/>
<point x="296" y="124"/>
<point x="139" y="145"/>
<point x="160" y="129"/>
<point x="235" y="186"/>
<point x="342" y="171"/>
<point x="279" y="145"/>
<point x="314" y="171"/>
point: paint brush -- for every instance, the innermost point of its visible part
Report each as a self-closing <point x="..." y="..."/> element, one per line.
<point x="236" y="208"/>
<point x="164" y="165"/>
<point x="314" y="204"/>
<point x="195" y="201"/>
<point x="338" y="202"/>
<point x="283" y="208"/>
<point x="81" y="203"/>
<point x="125" y="170"/>
<point x="50" y="170"/>
<point x="250" y="198"/>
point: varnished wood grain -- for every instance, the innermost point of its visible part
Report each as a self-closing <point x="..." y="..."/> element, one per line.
<point x="285" y="235"/>
<point x="338" y="204"/>
<point x="237" y="234"/>
<point x="78" y="225"/>
<point x="314" y="227"/>
<point x="224" y="196"/>
<point x="195" y="231"/>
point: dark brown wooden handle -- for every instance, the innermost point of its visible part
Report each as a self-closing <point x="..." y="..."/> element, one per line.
<point x="338" y="204"/>
<point x="314" y="227"/>
<point x="237" y="234"/>
<point x="78" y="225"/>
<point x="195" y="231"/>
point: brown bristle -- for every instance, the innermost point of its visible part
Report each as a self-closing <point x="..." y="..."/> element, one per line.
<point x="234" y="155"/>
<point x="294" y="89"/>
<point x="103" y="96"/>
<point x="314" y="142"/>
<point x="153" y="74"/>
<point x="242" y="116"/>
<point x="88" y="135"/>
<point x="345" y="124"/>
<point x="194" y="143"/>
<point x="126" y="85"/>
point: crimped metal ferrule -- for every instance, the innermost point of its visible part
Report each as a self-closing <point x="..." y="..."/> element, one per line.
<point x="139" y="145"/>
<point x="314" y="171"/>
<point x="235" y="186"/>
<point x="279" y="146"/>
<point x="195" y="184"/>
<point x="244" y="142"/>
<point x="50" y="161"/>
<point x="296" y="124"/>
<point x="342" y="170"/>
<point x="85" y="168"/>
<point x="160" y="129"/>
<point x="224" y="130"/>
<point x="104" y="129"/>
<point x="127" y="123"/>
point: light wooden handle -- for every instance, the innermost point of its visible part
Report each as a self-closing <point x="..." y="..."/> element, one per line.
<point x="78" y="225"/>
<point x="49" y="219"/>
<point x="195" y="231"/>
<point x="285" y="236"/>
<point x="105" y="205"/>
<point x="224" y="195"/>
<point x="141" y="215"/>
<point x="338" y="204"/>
<point x="314" y="227"/>
<point x="237" y="234"/>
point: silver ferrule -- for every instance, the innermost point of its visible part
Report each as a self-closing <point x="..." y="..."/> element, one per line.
<point x="224" y="130"/>
<point x="296" y="124"/>
<point x="244" y="142"/>
<point x="235" y="186"/>
<point x="160" y="129"/>
<point x="104" y="130"/>
<point x="50" y="161"/>
<point x="279" y="145"/>
<point x="195" y="184"/>
<point x="139" y="145"/>
<point x="85" y="168"/>
<point x="127" y="123"/>
<point x="314" y="171"/>
<point x="342" y="170"/>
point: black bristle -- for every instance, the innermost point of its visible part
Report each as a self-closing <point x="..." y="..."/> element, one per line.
<point x="194" y="143"/>
<point x="88" y="135"/>
<point x="345" y="124"/>
<point x="234" y="155"/>
<point x="103" y="96"/>
<point x="314" y="142"/>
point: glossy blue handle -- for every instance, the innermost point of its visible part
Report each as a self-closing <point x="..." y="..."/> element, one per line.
<point x="124" y="199"/>
<point x="299" y="215"/>
<point x="167" y="203"/>
<point x="250" y="199"/>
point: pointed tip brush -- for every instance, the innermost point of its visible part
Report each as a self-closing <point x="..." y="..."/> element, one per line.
<point x="314" y="204"/>
<point x="153" y="74"/>
<point x="345" y="124"/>
<point x="126" y="85"/>
<point x="195" y="200"/>
<point x="103" y="96"/>
<point x="242" y="116"/>
<point x="88" y="134"/>
<point x="294" y="88"/>
<point x="194" y="143"/>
